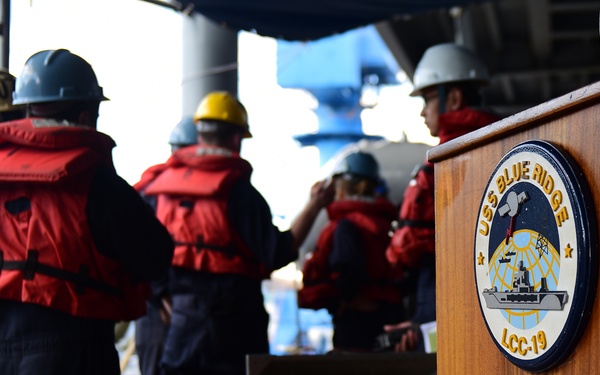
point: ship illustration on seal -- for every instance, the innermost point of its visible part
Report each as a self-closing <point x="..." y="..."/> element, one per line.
<point x="523" y="295"/>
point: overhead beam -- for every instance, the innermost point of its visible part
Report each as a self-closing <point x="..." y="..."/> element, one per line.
<point x="493" y="25"/>
<point x="541" y="73"/>
<point x="445" y="24"/>
<point x="539" y="32"/>
<point x="574" y="6"/>
<point x="464" y="29"/>
<point x="390" y="38"/>
<point x="539" y="29"/>
<point x="507" y="88"/>
<point x="575" y="35"/>
<point x="545" y="87"/>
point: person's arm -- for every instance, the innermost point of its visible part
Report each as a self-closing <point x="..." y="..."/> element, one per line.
<point x="125" y="228"/>
<point x="251" y="216"/>
<point x="321" y="194"/>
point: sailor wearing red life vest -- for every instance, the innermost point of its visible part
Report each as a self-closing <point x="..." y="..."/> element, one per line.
<point x="215" y="247"/>
<point x="348" y="272"/>
<point x="78" y="244"/>
<point x="182" y="135"/>
<point x="226" y="244"/>
<point x="151" y="329"/>
<point x="449" y="78"/>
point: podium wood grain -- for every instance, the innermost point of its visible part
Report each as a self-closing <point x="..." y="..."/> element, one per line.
<point x="462" y="170"/>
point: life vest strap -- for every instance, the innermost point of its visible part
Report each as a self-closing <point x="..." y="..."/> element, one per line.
<point x="230" y="252"/>
<point x="425" y="224"/>
<point x="31" y="266"/>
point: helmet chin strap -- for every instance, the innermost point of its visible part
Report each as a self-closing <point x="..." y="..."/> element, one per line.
<point x="441" y="99"/>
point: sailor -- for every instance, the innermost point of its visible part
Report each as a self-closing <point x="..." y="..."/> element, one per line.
<point x="151" y="329"/>
<point x="348" y="273"/>
<point x="182" y="135"/>
<point x="78" y="244"/>
<point x="226" y="244"/>
<point x="449" y="78"/>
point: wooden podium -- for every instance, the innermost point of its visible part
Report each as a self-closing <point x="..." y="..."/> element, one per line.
<point x="462" y="170"/>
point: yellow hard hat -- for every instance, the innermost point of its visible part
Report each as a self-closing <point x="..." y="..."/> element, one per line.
<point x="222" y="106"/>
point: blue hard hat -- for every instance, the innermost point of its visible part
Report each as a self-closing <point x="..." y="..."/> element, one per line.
<point x="184" y="133"/>
<point x="359" y="164"/>
<point x="54" y="76"/>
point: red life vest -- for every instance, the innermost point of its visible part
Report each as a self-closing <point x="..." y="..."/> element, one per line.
<point x="193" y="193"/>
<point x="415" y="236"/>
<point x="372" y="220"/>
<point x="148" y="176"/>
<point x="47" y="254"/>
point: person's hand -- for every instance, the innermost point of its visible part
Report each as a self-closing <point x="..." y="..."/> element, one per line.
<point x="166" y="308"/>
<point x="408" y="340"/>
<point x="322" y="193"/>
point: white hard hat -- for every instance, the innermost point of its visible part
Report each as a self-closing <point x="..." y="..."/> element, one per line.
<point x="447" y="63"/>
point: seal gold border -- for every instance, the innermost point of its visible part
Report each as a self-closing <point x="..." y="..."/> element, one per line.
<point x="567" y="326"/>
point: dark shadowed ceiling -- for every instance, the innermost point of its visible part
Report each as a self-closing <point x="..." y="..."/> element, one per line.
<point x="536" y="50"/>
<point x="305" y="19"/>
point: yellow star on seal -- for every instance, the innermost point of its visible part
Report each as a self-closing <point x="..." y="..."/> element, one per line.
<point x="480" y="259"/>
<point x="568" y="251"/>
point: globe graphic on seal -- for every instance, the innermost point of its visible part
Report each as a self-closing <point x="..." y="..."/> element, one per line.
<point x="528" y="254"/>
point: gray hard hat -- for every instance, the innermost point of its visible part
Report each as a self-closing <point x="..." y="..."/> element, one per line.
<point x="448" y="63"/>
<point x="359" y="164"/>
<point x="56" y="75"/>
<point x="184" y="133"/>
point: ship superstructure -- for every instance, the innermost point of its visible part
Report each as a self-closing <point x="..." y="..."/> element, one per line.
<point x="524" y="296"/>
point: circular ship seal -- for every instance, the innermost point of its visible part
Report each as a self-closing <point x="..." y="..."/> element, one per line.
<point x="536" y="248"/>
